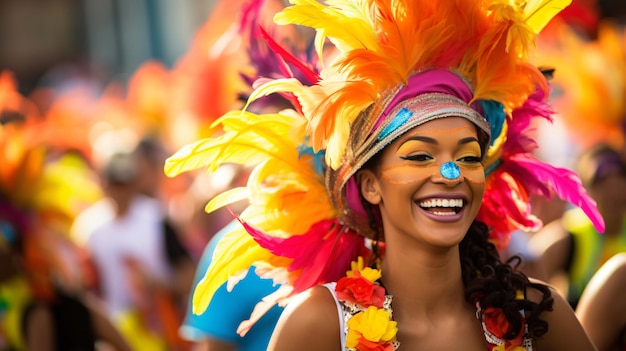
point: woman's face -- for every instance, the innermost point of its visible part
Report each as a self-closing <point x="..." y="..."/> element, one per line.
<point x="413" y="195"/>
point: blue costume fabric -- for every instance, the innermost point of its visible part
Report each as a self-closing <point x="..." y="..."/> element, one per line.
<point x="228" y="309"/>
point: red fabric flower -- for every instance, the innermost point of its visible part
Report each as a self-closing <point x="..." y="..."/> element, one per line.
<point x="360" y="290"/>
<point x="366" y="345"/>
<point x="498" y="325"/>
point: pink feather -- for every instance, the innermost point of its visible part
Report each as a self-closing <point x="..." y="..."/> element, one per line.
<point x="521" y="174"/>
<point x="520" y="125"/>
<point x="285" y="56"/>
<point x="321" y="255"/>
<point x="565" y="184"/>
<point x="511" y="205"/>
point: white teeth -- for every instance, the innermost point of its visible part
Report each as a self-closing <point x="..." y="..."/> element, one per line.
<point x="442" y="203"/>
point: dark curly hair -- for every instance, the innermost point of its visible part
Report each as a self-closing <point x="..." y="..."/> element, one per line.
<point x="494" y="283"/>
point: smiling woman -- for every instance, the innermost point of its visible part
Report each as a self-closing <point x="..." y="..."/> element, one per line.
<point x="380" y="201"/>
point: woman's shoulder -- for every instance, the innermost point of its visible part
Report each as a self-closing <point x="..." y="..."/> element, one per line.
<point x="313" y="306"/>
<point x="310" y="321"/>
<point x="602" y="309"/>
<point x="564" y="329"/>
<point x="537" y="288"/>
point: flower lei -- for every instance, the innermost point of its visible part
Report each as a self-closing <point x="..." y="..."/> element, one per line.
<point x="369" y="323"/>
<point x="369" y="319"/>
<point x="495" y="326"/>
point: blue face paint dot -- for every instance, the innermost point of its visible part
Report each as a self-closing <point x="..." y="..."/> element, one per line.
<point x="450" y="170"/>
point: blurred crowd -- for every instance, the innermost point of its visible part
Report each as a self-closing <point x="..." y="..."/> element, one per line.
<point x="99" y="250"/>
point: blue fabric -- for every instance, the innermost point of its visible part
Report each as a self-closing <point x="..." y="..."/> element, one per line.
<point x="494" y="113"/>
<point x="227" y="310"/>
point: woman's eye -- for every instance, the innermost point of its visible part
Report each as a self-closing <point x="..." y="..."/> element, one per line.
<point x="417" y="157"/>
<point x="470" y="159"/>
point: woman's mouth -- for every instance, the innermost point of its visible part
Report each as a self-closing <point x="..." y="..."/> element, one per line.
<point x="442" y="209"/>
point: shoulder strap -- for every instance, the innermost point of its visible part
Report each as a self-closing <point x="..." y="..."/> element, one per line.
<point x="342" y="314"/>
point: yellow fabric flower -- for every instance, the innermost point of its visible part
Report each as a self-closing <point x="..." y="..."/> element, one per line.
<point x="368" y="273"/>
<point x="373" y="324"/>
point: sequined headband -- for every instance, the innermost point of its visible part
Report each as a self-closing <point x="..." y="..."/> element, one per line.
<point x="429" y="95"/>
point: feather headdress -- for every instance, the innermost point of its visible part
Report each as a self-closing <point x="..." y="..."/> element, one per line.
<point x="433" y="59"/>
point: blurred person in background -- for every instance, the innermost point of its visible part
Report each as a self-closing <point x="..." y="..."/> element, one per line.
<point x="150" y="155"/>
<point x="602" y="308"/>
<point x="547" y="210"/>
<point x="570" y="249"/>
<point x="57" y="321"/>
<point x="138" y="259"/>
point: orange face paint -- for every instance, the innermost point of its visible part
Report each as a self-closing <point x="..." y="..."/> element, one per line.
<point x="420" y="154"/>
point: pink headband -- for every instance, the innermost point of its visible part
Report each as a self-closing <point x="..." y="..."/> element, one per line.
<point x="430" y="81"/>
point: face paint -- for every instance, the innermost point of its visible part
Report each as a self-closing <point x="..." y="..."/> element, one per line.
<point x="451" y="153"/>
<point x="450" y="170"/>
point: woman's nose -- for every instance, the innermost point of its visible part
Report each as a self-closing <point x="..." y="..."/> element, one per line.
<point x="449" y="174"/>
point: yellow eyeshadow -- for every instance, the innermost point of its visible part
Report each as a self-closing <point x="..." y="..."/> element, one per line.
<point x="436" y="131"/>
<point x="407" y="142"/>
<point x="471" y="149"/>
<point x="406" y="148"/>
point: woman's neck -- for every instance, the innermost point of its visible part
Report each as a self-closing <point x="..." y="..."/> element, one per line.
<point x="424" y="282"/>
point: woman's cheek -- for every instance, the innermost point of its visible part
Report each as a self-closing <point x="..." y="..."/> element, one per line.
<point x="408" y="173"/>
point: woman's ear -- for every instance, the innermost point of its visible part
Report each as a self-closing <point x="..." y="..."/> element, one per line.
<point x="368" y="184"/>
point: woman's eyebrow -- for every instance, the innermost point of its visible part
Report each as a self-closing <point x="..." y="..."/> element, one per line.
<point x="422" y="138"/>
<point x="468" y="140"/>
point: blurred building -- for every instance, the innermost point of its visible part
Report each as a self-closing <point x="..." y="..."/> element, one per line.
<point x="43" y="41"/>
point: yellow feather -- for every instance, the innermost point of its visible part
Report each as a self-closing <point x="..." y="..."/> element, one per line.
<point x="235" y="253"/>
<point x="308" y="97"/>
<point x="347" y="26"/>
<point x="538" y="13"/>
<point x="226" y="198"/>
<point x="276" y="196"/>
<point x="281" y="182"/>
<point x="273" y="86"/>
<point x="248" y="140"/>
<point x="285" y="190"/>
